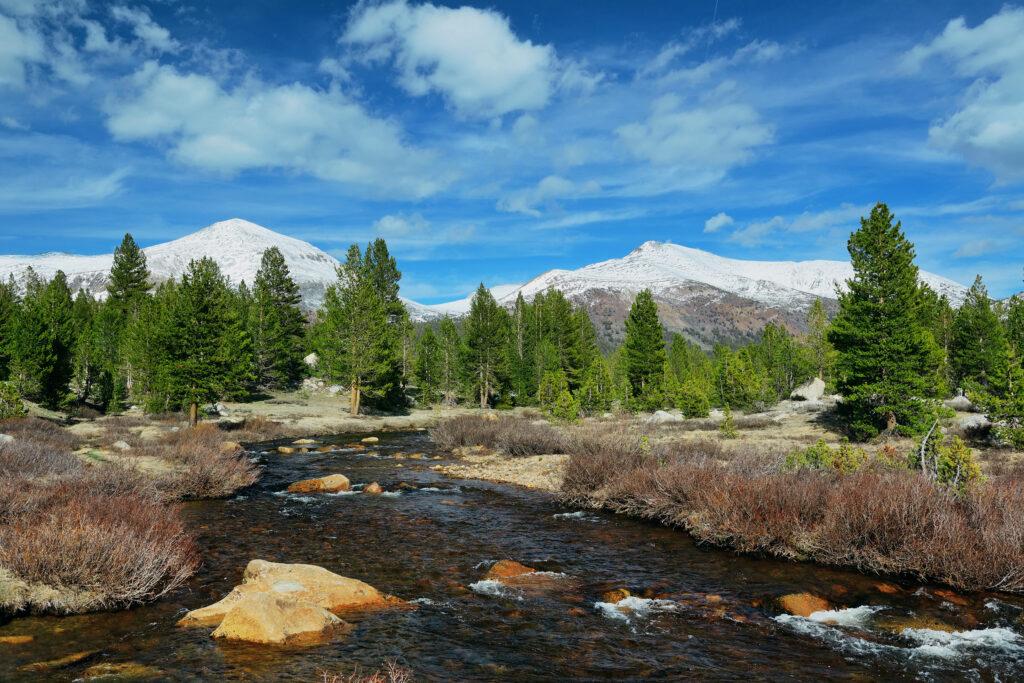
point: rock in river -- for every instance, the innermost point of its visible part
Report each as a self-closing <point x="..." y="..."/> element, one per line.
<point x="277" y="619"/>
<point x="304" y="582"/>
<point x="370" y="439"/>
<point x="507" y="569"/>
<point x="373" y="489"/>
<point x="332" y="483"/>
<point x="803" y="604"/>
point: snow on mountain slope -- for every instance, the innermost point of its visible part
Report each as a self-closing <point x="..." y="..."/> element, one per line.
<point x="662" y="266"/>
<point x="237" y="245"/>
<point x="460" y="307"/>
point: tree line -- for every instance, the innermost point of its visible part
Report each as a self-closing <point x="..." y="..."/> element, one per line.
<point x="894" y="348"/>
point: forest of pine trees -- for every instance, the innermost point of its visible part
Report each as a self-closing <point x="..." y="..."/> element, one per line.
<point x="894" y="348"/>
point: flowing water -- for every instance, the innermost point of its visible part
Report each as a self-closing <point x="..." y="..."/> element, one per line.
<point x="696" y="613"/>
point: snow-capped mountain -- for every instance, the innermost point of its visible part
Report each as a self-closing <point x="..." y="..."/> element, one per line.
<point x="707" y="297"/>
<point x="237" y="245"/>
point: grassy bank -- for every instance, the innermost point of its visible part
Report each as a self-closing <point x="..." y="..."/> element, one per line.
<point x="877" y="518"/>
<point x="79" y="533"/>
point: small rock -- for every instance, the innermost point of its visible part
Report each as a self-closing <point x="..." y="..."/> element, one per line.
<point x="121" y="445"/>
<point x="303" y="442"/>
<point x="887" y="588"/>
<point x="577" y="612"/>
<point x="961" y="403"/>
<point x="276" y="619"/>
<point x="662" y="416"/>
<point x="370" y="439"/>
<point x="6" y="438"/>
<point x="285" y="450"/>
<point x="332" y="483"/>
<point x="506" y="569"/>
<point x="60" y="663"/>
<point x="325" y="449"/>
<point x="416" y="456"/>
<point x="896" y="625"/>
<point x="311" y="360"/>
<point x="122" y="671"/>
<point x="973" y="422"/>
<point x="616" y="595"/>
<point x="221" y="409"/>
<point x="803" y="604"/>
<point x="335" y="389"/>
<point x="373" y="489"/>
<point x="950" y="596"/>
<point x="16" y="640"/>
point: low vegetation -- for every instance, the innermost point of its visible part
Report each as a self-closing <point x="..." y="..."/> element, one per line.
<point x="390" y="672"/>
<point x="75" y="538"/>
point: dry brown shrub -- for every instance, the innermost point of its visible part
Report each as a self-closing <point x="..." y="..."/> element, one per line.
<point x="39" y="431"/>
<point x="201" y="467"/>
<point x="876" y="520"/>
<point x="94" y="539"/>
<point x="391" y="672"/>
<point x="515" y="436"/>
<point x="258" y="428"/>
<point x="33" y="459"/>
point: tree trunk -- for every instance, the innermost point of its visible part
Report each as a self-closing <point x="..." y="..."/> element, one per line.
<point x="193" y="414"/>
<point x="354" y="398"/>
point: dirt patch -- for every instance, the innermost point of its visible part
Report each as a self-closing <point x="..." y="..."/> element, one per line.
<point x="540" y="472"/>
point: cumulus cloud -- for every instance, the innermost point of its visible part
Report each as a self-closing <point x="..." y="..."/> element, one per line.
<point x="981" y="247"/>
<point x="988" y="128"/>
<point x="258" y="125"/>
<point x="845" y="216"/>
<point x="758" y="232"/>
<point x="545" y="193"/>
<point x="698" y="143"/>
<point x="151" y="34"/>
<point x="470" y="56"/>
<point x="400" y="225"/>
<point x="717" y="222"/>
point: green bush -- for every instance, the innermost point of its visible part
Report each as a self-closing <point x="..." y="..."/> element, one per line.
<point x="566" y="408"/>
<point x="727" y="430"/>
<point x="10" y="402"/>
<point x="845" y="459"/>
<point x="692" y="400"/>
<point x="956" y="465"/>
<point x="552" y="384"/>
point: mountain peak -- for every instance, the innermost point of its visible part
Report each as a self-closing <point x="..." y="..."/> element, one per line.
<point x="237" y="226"/>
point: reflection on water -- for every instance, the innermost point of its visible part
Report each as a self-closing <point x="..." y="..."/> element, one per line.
<point x="694" y="613"/>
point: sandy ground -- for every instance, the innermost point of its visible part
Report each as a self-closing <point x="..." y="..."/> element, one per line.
<point x="539" y="472"/>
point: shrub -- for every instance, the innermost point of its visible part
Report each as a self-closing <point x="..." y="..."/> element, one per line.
<point x="10" y="402"/>
<point x="692" y="400"/>
<point x="515" y="436"/>
<point x="27" y="458"/>
<point x="40" y="432"/>
<point x="727" y="430"/>
<point x="875" y="520"/>
<point x="956" y="465"/>
<point x="203" y="469"/>
<point x="566" y="408"/>
<point x="844" y="459"/>
<point x="95" y="539"/>
<point x="391" y="672"/>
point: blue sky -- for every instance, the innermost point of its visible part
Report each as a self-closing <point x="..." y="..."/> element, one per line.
<point x="490" y="142"/>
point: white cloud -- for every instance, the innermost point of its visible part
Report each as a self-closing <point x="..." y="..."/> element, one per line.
<point x="988" y="128"/>
<point x="470" y="56"/>
<point x="698" y="143"/>
<point x="257" y="125"/>
<point x="717" y="222"/>
<point x="981" y="247"/>
<point x="19" y="47"/>
<point x="757" y="232"/>
<point x="545" y="193"/>
<point x="846" y="217"/>
<point x="59" y="188"/>
<point x="400" y="225"/>
<point x="151" y="34"/>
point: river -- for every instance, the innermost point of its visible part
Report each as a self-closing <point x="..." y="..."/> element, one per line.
<point x="700" y="613"/>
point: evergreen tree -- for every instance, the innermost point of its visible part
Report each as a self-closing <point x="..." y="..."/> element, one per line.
<point x="195" y="358"/>
<point x="129" y="276"/>
<point x="486" y="329"/>
<point x="886" y="360"/>
<point x="277" y="324"/>
<point x="146" y="344"/>
<point x="358" y="329"/>
<point x="980" y="354"/>
<point x="644" y="350"/>
<point x="43" y="340"/>
<point x="522" y="352"/>
<point x="740" y="382"/>
<point x="382" y="271"/>
<point x="237" y="356"/>
<point x="822" y="354"/>
<point x="9" y="304"/>
<point x="429" y="367"/>
<point x="937" y="316"/>
<point x="87" y="364"/>
<point x="597" y="391"/>
<point x="782" y="360"/>
<point x="1015" y="324"/>
<point x="452" y="352"/>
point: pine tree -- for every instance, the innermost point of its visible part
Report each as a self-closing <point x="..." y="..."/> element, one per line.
<point x="428" y="367"/>
<point x="382" y="271"/>
<point x="357" y="332"/>
<point x="9" y="304"/>
<point x="821" y="352"/>
<point x="522" y="352"/>
<point x="277" y="324"/>
<point x="886" y="360"/>
<point x="486" y="332"/>
<point x="784" y="362"/>
<point x="129" y="276"/>
<point x="980" y="354"/>
<point x="237" y="359"/>
<point x="196" y="365"/>
<point x="452" y="352"/>
<point x="644" y="349"/>
<point x="1015" y="324"/>
<point x="43" y="340"/>
<point x="597" y="391"/>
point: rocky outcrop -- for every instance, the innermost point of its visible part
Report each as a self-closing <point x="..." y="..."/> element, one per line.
<point x="332" y="483"/>
<point x="277" y="619"/>
<point x="302" y="582"/>
<point x="810" y="391"/>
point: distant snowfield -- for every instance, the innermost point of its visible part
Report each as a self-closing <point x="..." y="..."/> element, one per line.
<point x="237" y="245"/>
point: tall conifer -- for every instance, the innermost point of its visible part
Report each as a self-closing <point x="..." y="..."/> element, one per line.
<point x="644" y="350"/>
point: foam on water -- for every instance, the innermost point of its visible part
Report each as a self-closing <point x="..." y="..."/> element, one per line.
<point x="580" y="515"/>
<point x="294" y="496"/>
<point x="628" y="608"/>
<point x="851" y="616"/>
<point x="494" y="589"/>
<point x="949" y="645"/>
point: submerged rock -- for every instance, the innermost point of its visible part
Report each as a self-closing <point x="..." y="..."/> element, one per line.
<point x="332" y="483"/>
<point x="285" y="450"/>
<point x="277" y="619"/>
<point x="507" y="569"/>
<point x="59" y="663"/>
<point x="803" y="604"/>
<point x="373" y="489"/>
<point x="615" y="595"/>
<point x="304" y="582"/>
<point x="16" y="640"/>
<point x="122" y="671"/>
